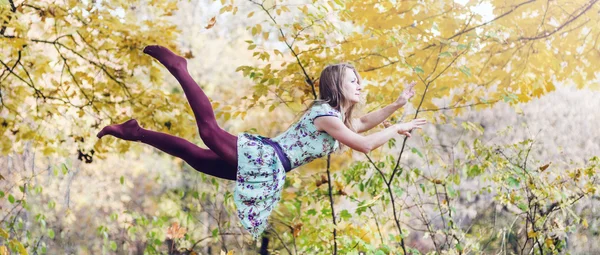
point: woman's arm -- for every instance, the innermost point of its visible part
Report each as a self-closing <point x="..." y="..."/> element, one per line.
<point x="373" y="119"/>
<point x="336" y="128"/>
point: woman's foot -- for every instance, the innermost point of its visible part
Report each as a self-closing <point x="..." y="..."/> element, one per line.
<point x="166" y="57"/>
<point x="129" y="130"/>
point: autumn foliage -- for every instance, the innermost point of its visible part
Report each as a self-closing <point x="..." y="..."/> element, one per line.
<point x="70" y="67"/>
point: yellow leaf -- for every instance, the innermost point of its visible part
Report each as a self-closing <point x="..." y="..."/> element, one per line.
<point x="211" y="22"/>
<point x="3" y="250"/>
<point x="3" y="234"/>
<point x="258" y="28"/>
<point x="549" y="242"/>
<point x="532" y="234"/>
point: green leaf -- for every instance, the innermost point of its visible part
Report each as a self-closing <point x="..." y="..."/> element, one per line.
<point x="445" y="54"/>
<point x="391" y="143"/>
<point x="215" y="232"/>
<point x="345" y="214"/>
<point x="474" y="170"/>
<point x="122" y="179"/>
<point x="452" y="192"/>
<point x="311" y="212"/>
<point x="513" y="182"/>
<point x="361" y="209"/>
<point x="418" y="69"/>
<point x="113" y="245"/>
<point x="11" y="199"/>
<point x="415" y="151"/>
<point x="51" y="233"/>
<point x="510" y="97"/>
<point x="398" y="191"/>
<point x="465" y="70"/>
<point x="459" y="247"/>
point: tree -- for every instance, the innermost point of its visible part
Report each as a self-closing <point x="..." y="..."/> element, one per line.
<point x="80" y="63"/>
<point x="460" y="57"/>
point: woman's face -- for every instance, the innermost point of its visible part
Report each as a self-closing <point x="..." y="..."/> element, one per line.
<point x="351" y="87"/>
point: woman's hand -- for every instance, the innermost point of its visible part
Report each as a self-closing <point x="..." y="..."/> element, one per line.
<point x="406" y="128"/>
<point x="408" y="92"/>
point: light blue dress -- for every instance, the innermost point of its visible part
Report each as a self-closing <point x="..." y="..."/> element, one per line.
<point x="261" y="174"/>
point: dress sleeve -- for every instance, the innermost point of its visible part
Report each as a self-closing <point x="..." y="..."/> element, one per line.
<point x="323" y="109"/>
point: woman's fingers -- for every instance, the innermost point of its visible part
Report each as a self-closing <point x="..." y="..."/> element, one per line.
<point x="419" y="121"/>
<point x="407" y="134"/>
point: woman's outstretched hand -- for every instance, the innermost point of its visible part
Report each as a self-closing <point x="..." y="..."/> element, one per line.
<point x="406" y="128"/>
<point x="408" y="92"/>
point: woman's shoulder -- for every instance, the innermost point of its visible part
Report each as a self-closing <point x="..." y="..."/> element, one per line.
<point x="321" y="108"/>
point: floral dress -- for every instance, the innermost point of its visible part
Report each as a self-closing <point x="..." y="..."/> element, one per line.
<point x="261" y="175"/>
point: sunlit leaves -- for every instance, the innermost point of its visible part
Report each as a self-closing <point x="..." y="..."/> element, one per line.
<point x="78" y="63"/>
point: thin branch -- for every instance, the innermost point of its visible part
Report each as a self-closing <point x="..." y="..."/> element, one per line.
<point x="281" y="240"/>
<point x="491" y="21"/>
<point x="101" y="66"/>
<point x="13" y="9"/>
<point x="457" y="107"/>
<point x="308" y="79"/>
<point x="545" y="34"/>
<point x="332" y="208"/>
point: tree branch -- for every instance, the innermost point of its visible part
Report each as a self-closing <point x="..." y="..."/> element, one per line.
<point x="545" y="34"/>
<point x="332" y="208"/>
<point x="308" y="79"/>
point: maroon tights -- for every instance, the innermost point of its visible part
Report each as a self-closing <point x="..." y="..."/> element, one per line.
<point x="220" y="160"/>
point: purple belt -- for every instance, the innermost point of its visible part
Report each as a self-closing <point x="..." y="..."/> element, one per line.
<point x="284" y="160"/>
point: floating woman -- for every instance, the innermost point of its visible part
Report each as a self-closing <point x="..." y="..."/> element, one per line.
<point x="259" y="164"/>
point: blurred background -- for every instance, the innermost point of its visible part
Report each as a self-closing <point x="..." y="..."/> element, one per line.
<point x="507" y="164"/>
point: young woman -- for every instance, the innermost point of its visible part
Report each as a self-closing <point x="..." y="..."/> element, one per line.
<point x="259" y="164"/>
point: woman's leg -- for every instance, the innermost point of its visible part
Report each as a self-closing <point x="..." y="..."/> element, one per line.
<point x="203" y="160"/>
<point x="217" y="139"/>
